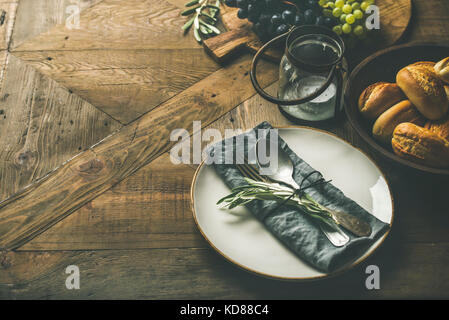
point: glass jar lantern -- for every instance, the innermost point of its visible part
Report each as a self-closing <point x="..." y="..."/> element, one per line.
<point x="311" y="75"/>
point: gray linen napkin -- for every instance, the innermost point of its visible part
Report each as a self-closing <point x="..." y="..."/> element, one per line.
<point x="292" y="227"/>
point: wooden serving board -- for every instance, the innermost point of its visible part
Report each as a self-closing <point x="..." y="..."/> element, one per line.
<point x="395" y="17"/>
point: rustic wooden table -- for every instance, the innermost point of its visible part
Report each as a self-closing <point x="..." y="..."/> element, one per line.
<point x="120" y="210"/>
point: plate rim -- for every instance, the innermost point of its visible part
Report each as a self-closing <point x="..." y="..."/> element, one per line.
<point x="296" y="279"/>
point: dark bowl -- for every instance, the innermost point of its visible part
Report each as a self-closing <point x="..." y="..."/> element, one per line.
<point x="383" y="66"/>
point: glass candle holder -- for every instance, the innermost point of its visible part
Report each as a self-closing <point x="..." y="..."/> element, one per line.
<point x="311" y="74"/>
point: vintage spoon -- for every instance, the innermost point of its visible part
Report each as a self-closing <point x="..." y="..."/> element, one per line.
<point x="284" y="173"/>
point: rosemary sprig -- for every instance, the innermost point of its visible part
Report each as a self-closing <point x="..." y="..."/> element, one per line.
<point x="256" y="190"/>
<point x="204" y="17"/>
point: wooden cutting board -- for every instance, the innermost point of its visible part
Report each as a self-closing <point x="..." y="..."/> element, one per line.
<point x="395" y="16"/>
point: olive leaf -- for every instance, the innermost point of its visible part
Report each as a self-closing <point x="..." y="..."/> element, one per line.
<point x="203" y="18"/>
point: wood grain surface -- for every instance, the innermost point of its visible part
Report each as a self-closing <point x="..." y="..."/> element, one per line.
<point x="124" y="83"/>
<point x="42" y="125"/>
<point x="7" y="17"/>
<point x="128" y="223"/>
<point x="139" y="71"/>
<point x="149" y="209"/>
<point x="117" y="24"/>
<point x="408" y="271"/>
<point x="394" y="20"/>
<point x="36" y="16"/>
<point x="96" y="170"/>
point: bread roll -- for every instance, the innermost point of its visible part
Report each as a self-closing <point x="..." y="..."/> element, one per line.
<point x="427" y="64"/>
<point x="425" y="90"/>
<point x="420" y="145"/>
<point x="442" y="69"/>
<point x="404" y="111"/>
<point x="441" y="127"/>
<point x="431" y="66"/>
<point x="378" y="98"/>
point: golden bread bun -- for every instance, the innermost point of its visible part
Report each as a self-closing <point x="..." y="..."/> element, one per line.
<point x="425" y="90"/>
<point x="404" y="111"/>
<point x="427" y="64"/>
<point x="440" y="127"/>
<point x="420" y="145"/>
<point x="442" y="69"/>
<point x="378" y="98"/>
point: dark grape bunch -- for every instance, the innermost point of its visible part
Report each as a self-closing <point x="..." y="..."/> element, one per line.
<point x="271" y="18"/>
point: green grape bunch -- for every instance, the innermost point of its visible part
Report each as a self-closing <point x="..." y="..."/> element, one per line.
<point x="350" y="16"/>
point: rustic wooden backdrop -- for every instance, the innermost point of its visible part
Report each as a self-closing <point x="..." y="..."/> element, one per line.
<point x="119" y="209"/>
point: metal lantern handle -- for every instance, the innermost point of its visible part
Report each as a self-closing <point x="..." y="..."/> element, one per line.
<point x="278" y="101"/>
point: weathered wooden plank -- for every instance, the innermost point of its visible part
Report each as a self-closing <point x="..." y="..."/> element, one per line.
<point x="7" y="16"/>
<point x="149" y="209"/>
<point x="95" y="171"/>
<point x="407" y="271"/>
<point x="116" y="24"/>
<point x="41" y="125"/>
<point x="38" y="16"/>
<point x="430" y="21"/>
<point x="123" y="83"/>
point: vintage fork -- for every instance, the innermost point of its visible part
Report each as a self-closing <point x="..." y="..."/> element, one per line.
<point x="337" y="238"/>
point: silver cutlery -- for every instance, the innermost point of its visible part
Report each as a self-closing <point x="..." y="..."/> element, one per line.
<point x="337" y="237"/>
<point x="284" y="173"/>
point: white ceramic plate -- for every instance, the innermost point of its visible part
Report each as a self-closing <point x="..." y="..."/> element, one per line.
<point x="242" y="239"/>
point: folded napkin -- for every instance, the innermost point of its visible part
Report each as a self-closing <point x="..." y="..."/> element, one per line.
<point x="295" y="229"/>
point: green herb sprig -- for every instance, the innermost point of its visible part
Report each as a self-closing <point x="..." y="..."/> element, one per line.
<point x="204" y="17"/>
<point x="256" y="190"/>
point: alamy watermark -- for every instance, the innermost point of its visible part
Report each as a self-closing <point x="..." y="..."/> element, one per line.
<point x="73" y="280"/>
<point x="73" y="15"/>
<point x="372" y="282"/>
<point x="373" y="20"/>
